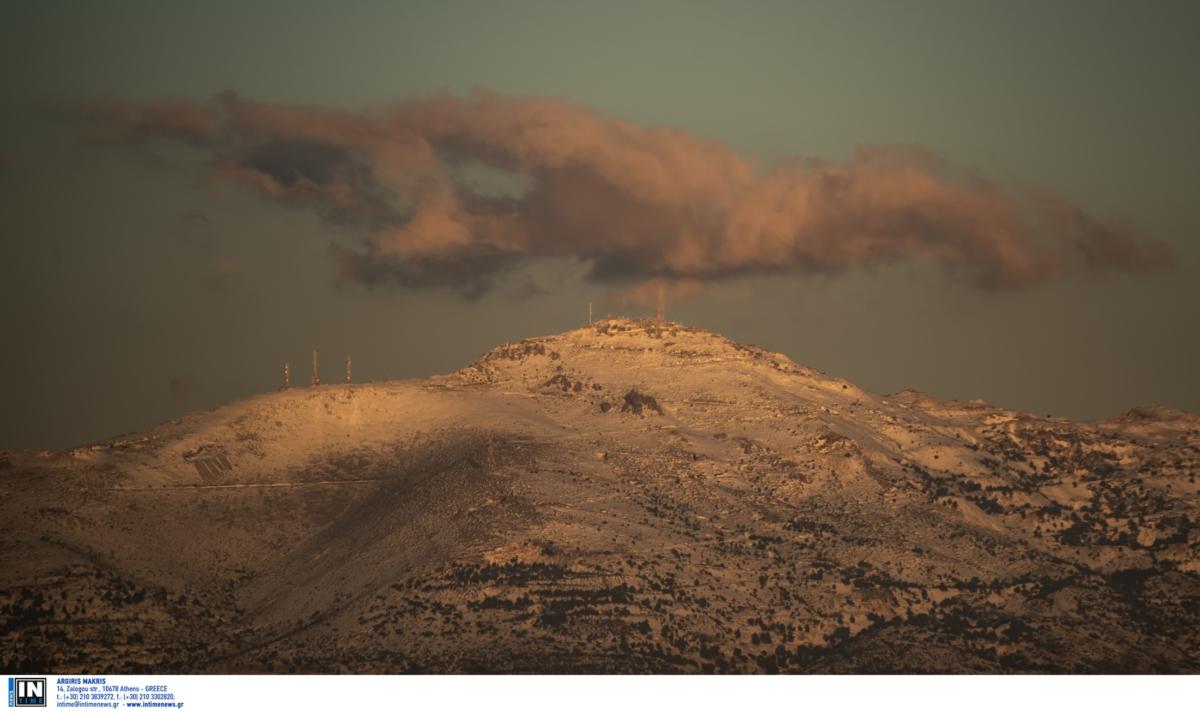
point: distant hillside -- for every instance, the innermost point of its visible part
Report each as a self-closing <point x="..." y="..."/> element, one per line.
<point x="629" y="497"/>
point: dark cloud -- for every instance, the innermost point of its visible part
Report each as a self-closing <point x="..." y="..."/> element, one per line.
<point x="289" y="163"/>
<point x="636" y="202"/>
<point x="471" y="275"/>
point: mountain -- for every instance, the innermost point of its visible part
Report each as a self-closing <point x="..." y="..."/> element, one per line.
<point x="633" y="496"/>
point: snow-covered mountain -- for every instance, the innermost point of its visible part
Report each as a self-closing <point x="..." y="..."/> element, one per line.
<point x="631" y="496"/>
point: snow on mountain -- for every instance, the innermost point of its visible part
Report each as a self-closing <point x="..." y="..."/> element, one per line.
<point x="630" y="496"/>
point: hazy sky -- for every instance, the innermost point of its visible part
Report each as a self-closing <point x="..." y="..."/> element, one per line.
<point x="138" y="283"/>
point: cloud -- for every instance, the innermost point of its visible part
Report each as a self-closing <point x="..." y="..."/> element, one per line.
<point x="637" y="203"/>
<point x="471" y="274"/>
<point x="132" y="122"/>
<point x="645" y="294"/>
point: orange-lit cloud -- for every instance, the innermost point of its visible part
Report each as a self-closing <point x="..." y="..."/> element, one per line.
<point x="635" y="202"/>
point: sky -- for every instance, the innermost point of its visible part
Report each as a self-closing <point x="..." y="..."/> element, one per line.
<point x="975" y="200"/>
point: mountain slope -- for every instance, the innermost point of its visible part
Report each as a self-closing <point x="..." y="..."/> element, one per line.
<point x="631" y="496"/>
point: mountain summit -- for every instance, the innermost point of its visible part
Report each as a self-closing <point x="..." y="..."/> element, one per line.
<point x="634" y="496"/>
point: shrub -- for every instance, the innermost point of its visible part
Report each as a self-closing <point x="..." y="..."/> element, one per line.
<point x="637" y="402"/>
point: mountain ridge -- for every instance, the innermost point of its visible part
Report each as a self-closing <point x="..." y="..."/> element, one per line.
<point x="627" y="496"/>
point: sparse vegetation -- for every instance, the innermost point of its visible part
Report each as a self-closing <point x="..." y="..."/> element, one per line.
<point x="505" y="519"/>
<point x="638" y="403"/>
